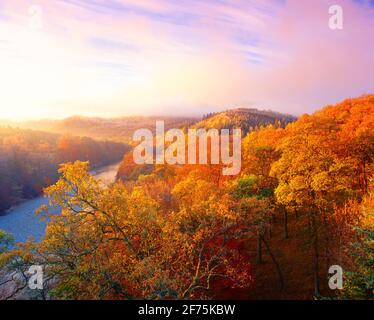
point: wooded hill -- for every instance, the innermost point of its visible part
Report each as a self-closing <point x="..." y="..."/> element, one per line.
<point x="29" y="160"/>
<point x="243" y="118"/>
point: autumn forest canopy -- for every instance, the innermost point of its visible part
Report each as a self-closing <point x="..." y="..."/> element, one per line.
<point x="302" y="202"/>
<point x="29" y="160"/>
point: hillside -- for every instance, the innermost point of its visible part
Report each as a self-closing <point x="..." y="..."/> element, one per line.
<point x="235" y="118"/>
<point x="29" y="160"/>
<point x="244" y="118"/>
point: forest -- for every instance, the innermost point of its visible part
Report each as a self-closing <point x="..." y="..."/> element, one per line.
<point x="29" y="160"/>
<point x="244" y="118"/>
<point x="303" y="202"/>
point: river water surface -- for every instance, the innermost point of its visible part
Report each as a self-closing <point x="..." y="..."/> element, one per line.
<point x="21" y="221"/>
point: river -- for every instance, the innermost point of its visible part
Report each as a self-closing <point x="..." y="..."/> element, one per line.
<point x="21" y="221"/>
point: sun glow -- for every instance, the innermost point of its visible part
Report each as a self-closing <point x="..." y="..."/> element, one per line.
<point x="40" y="77"/>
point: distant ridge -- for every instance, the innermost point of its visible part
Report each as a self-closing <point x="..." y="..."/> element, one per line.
<point x="121" y="129"/>
<point x="115" y="129"/>
<point x="244" y="118"/>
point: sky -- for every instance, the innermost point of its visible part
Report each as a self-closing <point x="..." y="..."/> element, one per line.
<point x="114" y="58"/>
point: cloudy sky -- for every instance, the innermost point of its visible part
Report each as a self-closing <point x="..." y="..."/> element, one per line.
<point x="180" y="57"/>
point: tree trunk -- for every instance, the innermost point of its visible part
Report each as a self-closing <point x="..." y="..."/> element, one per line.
<point x="315" y="255"/>
<point x="270" y="231"/>
<point x="279" y="270"/>
<point x="296" y="214"/>
<point x="259" y="249"/>
<point x="285" y="223"/>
